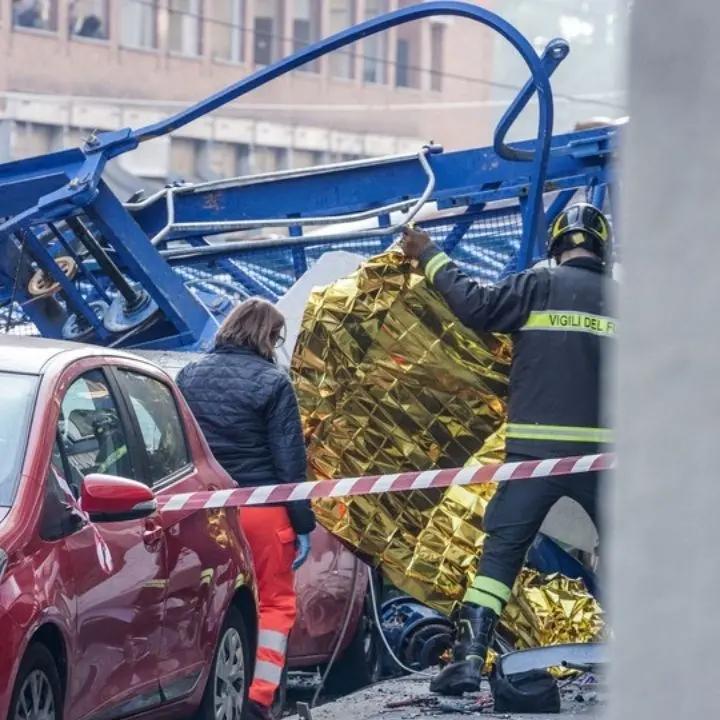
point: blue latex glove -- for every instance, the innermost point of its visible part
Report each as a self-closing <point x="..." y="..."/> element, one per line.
<point x="303" y="545"/>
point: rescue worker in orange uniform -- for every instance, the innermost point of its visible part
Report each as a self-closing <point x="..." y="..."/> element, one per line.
<point x="247" y="409"/>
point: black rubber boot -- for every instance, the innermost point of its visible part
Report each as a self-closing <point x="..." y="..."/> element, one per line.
<point x="476" y="628"/>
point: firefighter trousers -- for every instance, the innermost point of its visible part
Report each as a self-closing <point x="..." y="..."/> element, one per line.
<point x="512" y="520"/>
<point x="272" y="542"/>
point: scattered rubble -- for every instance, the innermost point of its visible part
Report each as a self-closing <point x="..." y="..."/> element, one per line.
<point x="408" y="699"/>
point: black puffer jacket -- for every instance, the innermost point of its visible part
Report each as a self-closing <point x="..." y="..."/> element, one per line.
<point x="248" y="412"/>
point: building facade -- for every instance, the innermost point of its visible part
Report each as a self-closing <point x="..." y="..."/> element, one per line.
<point x="73" y="66"/>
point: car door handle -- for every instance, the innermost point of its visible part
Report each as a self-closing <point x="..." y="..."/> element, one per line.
<point x="153" y="535"/>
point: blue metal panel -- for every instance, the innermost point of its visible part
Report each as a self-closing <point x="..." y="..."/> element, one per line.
<point x="24" y="182"/>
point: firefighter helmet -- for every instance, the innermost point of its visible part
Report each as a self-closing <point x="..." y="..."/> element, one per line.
<point x="580" y="226"/>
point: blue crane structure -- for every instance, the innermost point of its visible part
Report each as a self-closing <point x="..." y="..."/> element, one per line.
<point x="78" y="263"/>
<point x="160" y="272"/>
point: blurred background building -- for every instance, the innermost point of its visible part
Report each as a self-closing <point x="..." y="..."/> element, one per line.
<point x="72" y="66"/>
<point x="589" y="83"/>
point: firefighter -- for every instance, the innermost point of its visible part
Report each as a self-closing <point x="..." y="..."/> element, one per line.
<point x="247" y="409"/>
<point x="560" y="324"/>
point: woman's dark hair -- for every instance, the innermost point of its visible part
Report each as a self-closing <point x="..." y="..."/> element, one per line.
<point x="255" y="324"/>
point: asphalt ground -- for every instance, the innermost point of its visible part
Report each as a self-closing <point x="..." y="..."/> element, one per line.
<point x="584" y="699"/>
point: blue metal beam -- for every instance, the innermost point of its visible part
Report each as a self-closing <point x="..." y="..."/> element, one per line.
<point x="146" y="266"/>
<point x="466" y="177"/>
<point x="381" y="23"/>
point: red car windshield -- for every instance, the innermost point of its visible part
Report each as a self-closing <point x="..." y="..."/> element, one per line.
<point x="17" y="400"/>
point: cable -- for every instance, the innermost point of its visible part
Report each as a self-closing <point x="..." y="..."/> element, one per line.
<point x="343" y="632"/>
<point x="346" y="624"/>
<point x="590" y="99"/>
<point x="385" y="642"/>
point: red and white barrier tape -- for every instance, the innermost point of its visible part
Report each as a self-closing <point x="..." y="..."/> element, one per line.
<point x="396" y="482"/>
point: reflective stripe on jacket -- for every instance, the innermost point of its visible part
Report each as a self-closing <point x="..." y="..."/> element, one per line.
<point x="561" y="325"/>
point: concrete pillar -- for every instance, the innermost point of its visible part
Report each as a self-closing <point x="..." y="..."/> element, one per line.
<point x="206" y="34"/>
<point x="287" y="29"/>
<point x="392" y="52"/>
<point x="6" y="40"/>
<point x="249" y="33"/>
<point x="63" y="16"/>
<point x="665" y="585"/>
<point x="114" y="29"/>
<point x="163" y="27"/>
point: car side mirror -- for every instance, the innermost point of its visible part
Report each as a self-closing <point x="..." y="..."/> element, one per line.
<point x="107" y="498"/>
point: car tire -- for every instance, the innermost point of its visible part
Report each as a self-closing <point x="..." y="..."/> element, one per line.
<point x="38" y="692"/>
<point x="360" y="664"/>
<point x="223" y="699"/>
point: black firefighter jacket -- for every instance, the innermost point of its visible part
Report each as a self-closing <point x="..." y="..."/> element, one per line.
<point x="560" y="325"/>
<point x="248" y="412"/>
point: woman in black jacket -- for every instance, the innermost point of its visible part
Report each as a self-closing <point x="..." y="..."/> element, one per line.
<point x="248" y="412"/>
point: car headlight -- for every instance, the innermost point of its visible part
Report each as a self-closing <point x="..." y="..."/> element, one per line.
<point x="3" y="563"/>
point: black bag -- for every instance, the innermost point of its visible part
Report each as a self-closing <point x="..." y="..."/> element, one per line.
<point x="534" y="691"/>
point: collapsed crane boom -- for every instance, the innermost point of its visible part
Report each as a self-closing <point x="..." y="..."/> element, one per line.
<point x="77" y="263"/>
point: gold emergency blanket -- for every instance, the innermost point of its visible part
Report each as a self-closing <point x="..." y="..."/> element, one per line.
<point x="389" y="381"/>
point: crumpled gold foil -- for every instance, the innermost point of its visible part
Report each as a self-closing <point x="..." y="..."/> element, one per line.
<point x="388" y="380"/>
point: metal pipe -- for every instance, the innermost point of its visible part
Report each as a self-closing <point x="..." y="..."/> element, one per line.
<point x="294" y="174"/>
<point x="179" y="254"/>
<point x="555" y="52"/>
<point x="78" y="261"/>
<point x="346" y="37"/>
<point x="131" y="296"/>
<point x="232" y="225"/>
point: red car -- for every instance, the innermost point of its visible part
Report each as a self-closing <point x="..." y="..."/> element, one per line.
<point x="109" y="608"/>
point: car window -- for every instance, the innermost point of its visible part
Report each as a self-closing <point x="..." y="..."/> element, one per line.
<point x="57" y="520"/>
<point x="57" y="473"/>
<point x="91" y="431"/>
<point x="17" y="400"/>
<point x="160" y="424"/>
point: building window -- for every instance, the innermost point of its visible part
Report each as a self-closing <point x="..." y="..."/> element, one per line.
<point x="267" y="159"/>
<point x="228" y="30"/>
<point x="267" y="31"/>
<point x="36" y="14"/>
<point x="89" y="19"/>
<point x="306" y="28"/>
<point x="139" y="24"/>
<point x="161" y="427"/>
<point x="402" y="72"/>
<point x="243" y="160"/>
<point x="407" y="51"/>
<point x="185" y="27"/>
<point x="307" y="158"/>
<point x="376" y="46"/>
<point x="342" y="16"/>
<point x="91" y="431"/>
<point x="437" y="51"/>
